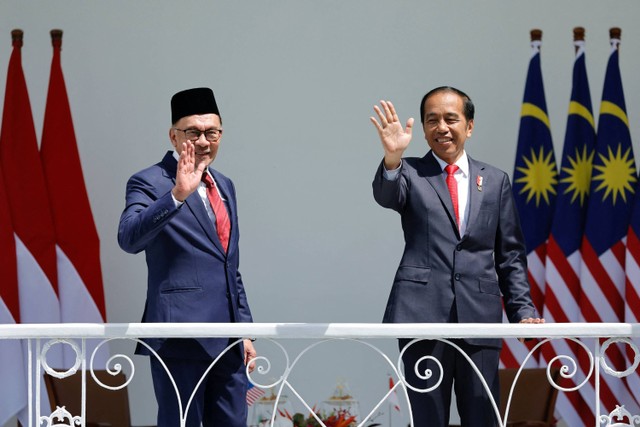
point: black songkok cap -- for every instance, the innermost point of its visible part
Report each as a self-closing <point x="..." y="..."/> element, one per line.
<point x="193" y="101"/>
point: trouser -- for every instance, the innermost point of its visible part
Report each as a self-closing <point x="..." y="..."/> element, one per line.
<point x="431" y="409"/>
<point x="219" y="401"/>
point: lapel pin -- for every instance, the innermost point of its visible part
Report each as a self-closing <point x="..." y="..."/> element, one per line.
<point x="479" y="182"/>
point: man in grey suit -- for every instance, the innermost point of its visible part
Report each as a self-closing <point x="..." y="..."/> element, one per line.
<point x="464" y="254"/>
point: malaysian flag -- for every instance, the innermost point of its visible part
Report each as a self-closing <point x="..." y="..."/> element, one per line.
<point x="534" y="186"/>
<point x="602" y="272"/>
<point x="632" y="288"/>
<point x="562" y="268"/>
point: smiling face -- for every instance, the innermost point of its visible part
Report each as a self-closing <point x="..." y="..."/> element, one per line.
<point x="445" y="126"/>
<point x="205" y="150"/>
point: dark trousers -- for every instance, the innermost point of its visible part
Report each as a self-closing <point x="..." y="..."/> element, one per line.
<point x="431" y="409"/>
<point x="219" y="401"/>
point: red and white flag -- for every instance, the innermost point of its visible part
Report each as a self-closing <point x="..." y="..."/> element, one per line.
<point x="13" y="392"/>
<point x="77" y="243"/>
<point x="28" y="204"/>
<point x="393" y="397"/>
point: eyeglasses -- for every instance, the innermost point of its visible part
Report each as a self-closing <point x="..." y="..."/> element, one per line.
<point x="194" y="134"/>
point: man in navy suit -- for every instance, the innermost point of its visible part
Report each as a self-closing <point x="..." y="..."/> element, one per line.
<point x="464" y="255"/>
<point x="188" y="229"/>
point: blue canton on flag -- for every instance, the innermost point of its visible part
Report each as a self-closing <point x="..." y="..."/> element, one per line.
<point x="253" y="394"/>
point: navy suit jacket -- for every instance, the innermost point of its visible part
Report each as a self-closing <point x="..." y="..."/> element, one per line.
<point x="190" y="278"/>
<point x="443" y="276"/>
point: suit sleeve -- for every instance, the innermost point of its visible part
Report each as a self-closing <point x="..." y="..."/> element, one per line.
<point x="144" y="216"/>
<point x="390" y="193"/>
<point x="511" y="259"/>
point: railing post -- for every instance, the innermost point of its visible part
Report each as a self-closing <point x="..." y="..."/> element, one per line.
<point x="83" y="368"/>
<point x="596" y="372"/>
<point x="38" y="379"/>
<point x="30" y="382"/>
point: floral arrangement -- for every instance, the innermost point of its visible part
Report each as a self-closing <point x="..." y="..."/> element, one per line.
<point x="340" y="418"/>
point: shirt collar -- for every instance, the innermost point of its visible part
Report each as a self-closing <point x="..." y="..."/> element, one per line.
<point x="177" y="157"/>
<point x="462" y="163"/>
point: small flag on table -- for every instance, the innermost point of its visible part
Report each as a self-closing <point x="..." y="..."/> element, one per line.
<point x="253" y="393"/>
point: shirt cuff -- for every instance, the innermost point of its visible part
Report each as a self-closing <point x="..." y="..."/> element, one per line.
<point x="391" y="175"/>
<point x="176" y="202"/>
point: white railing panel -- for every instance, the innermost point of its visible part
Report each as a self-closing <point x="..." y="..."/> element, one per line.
<point x="40" y="338"/>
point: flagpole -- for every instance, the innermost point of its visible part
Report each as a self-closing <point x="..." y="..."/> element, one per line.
<point x="615" y="33"/>
<point x="56" y="35"/>
<point x="578" y="35"/>
<point x="536" y="35"/>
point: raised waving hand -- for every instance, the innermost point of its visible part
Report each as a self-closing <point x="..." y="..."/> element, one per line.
<point x="394" y="138"/>
<point x="189" y="172"/>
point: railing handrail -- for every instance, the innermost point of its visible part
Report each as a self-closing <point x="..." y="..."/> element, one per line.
<point x="319" y="330"/>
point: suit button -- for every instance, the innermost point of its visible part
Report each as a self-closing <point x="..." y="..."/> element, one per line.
<point x="459" y="248"/>
<point x="457" y="276"/>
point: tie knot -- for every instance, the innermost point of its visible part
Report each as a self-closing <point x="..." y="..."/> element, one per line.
<point x="207" y="180"/>
<point x="451" y="169"/>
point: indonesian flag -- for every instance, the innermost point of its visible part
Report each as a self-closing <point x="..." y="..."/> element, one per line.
<point x="28" y="204"/>
<point x="28" y="201"/>
<point x="78" y="247"/>
<point x="13" y="392"/>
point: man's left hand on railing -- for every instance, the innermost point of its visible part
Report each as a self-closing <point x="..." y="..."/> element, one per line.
<point x="530" y="320"/>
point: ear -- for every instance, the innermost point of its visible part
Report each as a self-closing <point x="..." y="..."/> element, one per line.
<point x="469" y="128"/>
<point x="173" y="138"/>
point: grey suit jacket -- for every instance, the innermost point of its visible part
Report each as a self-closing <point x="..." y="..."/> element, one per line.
<point x="444" y="277"/>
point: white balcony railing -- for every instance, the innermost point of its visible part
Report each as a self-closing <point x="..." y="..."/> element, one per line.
<point x="593" y="340"/>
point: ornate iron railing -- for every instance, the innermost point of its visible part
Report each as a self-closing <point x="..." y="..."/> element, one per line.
<point x="39" y="339"/>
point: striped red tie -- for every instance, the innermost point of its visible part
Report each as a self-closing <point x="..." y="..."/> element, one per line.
<point x="453" y="189"/>
<point x="223" y="225"/>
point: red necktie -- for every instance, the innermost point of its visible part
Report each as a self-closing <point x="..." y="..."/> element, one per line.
<point x="453" y="189"/>
<point x="223" y="226"/>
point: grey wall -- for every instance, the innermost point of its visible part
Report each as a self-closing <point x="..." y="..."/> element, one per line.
<point x="296" y="81"/>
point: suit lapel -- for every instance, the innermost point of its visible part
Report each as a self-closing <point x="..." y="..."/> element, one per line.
<point x="435" y="176"/>
<point x="196" y="205"/>
<point x="194" y="202"/>
<point x="476" y="192"/>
